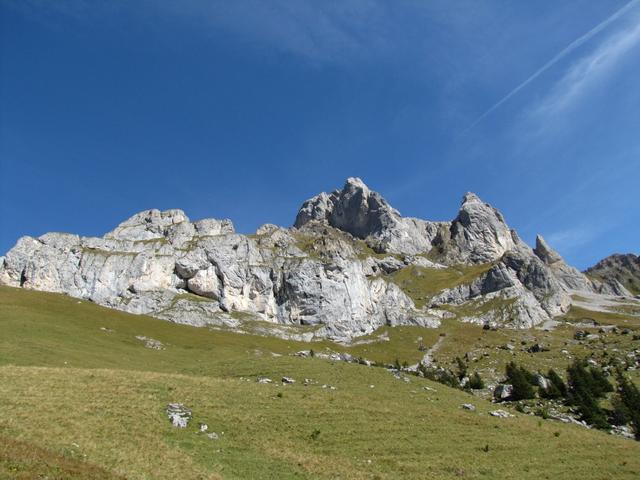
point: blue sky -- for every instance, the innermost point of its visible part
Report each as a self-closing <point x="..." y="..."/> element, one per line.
<point x="244" y="109"/>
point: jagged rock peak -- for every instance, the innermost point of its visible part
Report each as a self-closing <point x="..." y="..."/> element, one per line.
<point x="474" y="208"/>
<point x="479" y="233"/>
<point x="355" y="209"/>
<point x="569" y="277"/>
<point x="545" y="253"/>
<point x="471" y="197"/>
<point x="365" y="214"/>
<point x="356" y="182"/>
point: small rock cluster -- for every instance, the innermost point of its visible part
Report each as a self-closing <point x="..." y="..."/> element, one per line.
<point x="151" y="343"/>
<point x="180" y="416"/>
<point x="500" y="414"/>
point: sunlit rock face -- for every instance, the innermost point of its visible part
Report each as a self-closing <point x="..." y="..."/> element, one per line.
<point x="333" y="274"/>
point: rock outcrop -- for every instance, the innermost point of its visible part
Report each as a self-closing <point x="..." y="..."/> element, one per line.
<point x="478" y="234"/>
<point x="340" y="272"/>
<point x="200" y="273"/>
<point x="366" y="215"/>
<point x="569" y="277"/>
<point x="620" y="273"/>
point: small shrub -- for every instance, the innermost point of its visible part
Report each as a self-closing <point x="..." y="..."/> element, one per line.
<point x="462" y="368"/>
<point x="440" y="375"/>
<point x="315" y="434"/>
<point x="542" y="412"/>
<point x="475" y="382"/>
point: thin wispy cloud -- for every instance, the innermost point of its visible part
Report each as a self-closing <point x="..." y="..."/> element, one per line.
<point x="558" y="57"/>
<point x="588" y="72"/>
<point x="318" y="32"/>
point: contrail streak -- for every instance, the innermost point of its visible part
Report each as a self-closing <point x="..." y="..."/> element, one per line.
<point x="563" y="53"/>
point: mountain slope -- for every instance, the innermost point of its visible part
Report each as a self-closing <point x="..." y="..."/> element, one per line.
<point x="78" y="382"/>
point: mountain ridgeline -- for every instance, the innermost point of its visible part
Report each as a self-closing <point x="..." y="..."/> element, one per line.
<point x="349" y="265"/>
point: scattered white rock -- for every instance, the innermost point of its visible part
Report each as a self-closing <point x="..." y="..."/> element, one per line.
<point x="468" y="406"/>
<point x="178" y="414"/>
<point x="264" y="380"/>
<point x="502" y="391"/>
<point x="288" y="380"/>
<point x="542" y="381"/>
<point x="623" y="431"/>
<point x="500" y="413"/>
<point x="150" y="342"/>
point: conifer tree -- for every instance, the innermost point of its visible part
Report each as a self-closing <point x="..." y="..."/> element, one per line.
<point x="517" y="377"/>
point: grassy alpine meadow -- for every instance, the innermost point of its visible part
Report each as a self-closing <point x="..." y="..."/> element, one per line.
<point x="82" y="397"/>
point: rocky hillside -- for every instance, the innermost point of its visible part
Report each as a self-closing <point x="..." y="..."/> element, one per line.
<point x="619" y="269"/>
<point x="350" y="264"/>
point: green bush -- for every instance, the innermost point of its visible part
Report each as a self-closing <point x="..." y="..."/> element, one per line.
<point x="439" y="375"/>
<point x="462" y="368"/>
<point x="475" y="382"/>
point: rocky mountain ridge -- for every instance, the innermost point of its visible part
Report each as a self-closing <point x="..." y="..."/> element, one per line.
<point x="334" y="274"/>
<point x="621" y="269"/>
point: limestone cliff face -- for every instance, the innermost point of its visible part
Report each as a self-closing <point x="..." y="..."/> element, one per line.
<point x="199" y="273"/>
<point x="334" y="274"/>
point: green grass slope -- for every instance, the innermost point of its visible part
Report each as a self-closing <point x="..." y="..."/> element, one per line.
<point x="88" y="400"/>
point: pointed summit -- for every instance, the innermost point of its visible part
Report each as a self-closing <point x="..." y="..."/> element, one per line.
<point x="470" y="197"/>
<point x="365" y="214"/>
<point x="355" y="209"/>
<point x="545" y="253"/>
<point x="479" y="232"/>
<point x="355" y="182"/>
<point x="569" y="277"/>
